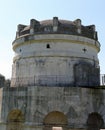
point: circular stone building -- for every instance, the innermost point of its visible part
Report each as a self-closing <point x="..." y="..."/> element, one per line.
<point x="56" y="53"/>
<point x="55" y="82"/>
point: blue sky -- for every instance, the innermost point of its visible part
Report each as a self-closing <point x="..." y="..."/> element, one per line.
<point x="14" y="12"/>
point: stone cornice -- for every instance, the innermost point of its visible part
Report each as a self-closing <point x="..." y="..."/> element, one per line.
<point x="29" y="39"/>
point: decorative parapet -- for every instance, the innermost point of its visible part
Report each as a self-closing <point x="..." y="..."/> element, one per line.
<point x="57" y="26"/>
<point x="78" y="24"/>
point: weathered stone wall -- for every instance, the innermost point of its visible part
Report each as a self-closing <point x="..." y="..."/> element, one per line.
<point x="2" y="81"/>
<point x="1" y="94"/>
<point x="42" y="58"/>
<point x="36" y="103"/>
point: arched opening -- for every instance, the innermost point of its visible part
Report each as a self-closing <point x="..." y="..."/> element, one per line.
<point x="48" y="46"/>
<point x="95" y="121"/>
<point x="55" y="121"/>
<point x="15" y="120"/>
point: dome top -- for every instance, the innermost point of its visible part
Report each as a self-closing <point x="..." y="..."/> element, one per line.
<point x="57" y="26"/>
<point x="50" y="22"/>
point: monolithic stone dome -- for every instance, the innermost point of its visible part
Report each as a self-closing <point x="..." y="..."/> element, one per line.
<point x="57" y="26"/>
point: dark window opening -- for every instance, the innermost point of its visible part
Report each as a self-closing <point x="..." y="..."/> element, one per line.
<point x="20" y="50"/>
<point x="47" y="46"/>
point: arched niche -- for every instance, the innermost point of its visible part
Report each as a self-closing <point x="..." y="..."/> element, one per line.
<point x="95" y="121"/>
<point x="15" y="120"/>
<point x="55" y="121"/>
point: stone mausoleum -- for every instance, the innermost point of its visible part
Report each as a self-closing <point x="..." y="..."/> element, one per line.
<point x="55" y="83"/>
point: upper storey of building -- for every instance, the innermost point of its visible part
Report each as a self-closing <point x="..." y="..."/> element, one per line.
<point x="57" y="26"/>
<point x="43" y="48"/>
